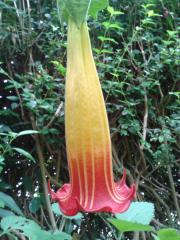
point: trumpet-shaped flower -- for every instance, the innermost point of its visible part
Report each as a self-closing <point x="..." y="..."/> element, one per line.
<point x="91" y="187"/>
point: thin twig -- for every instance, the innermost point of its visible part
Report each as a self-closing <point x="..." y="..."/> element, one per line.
<point x="45" y="218"/>
<point x="17" y="92"/>
<point x="158" y="223"/>
<point x="55" y="115"/>
<point x="136" y="236"/>
<point x="58" y="165"/>
<point x="18" y="234"/>
<point x="62" y="224"/>
<point x="52" y="179"/>
<point x="155" y="194"/>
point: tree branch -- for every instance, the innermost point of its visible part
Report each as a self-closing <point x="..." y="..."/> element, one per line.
<point x="171" y="181"/>
<point x="43" y="174"/>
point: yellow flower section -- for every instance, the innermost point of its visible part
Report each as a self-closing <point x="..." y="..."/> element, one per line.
<point x="87" y="129"/>
<point x="85" y="117"/>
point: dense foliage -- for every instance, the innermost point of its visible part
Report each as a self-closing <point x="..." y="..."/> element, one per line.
<point x="136" y="49"/>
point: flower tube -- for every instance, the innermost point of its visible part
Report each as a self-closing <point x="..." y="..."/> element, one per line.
<point x="88" y="144"/>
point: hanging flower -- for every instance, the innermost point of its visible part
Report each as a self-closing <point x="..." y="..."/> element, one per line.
<point x="91" y="187"/>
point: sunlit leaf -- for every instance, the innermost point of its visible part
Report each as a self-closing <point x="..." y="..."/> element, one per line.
<point x="168" y="234"/>
<point x="97" y="6"/>
<point x="127" y="226"/>
<point x="27" y="132"/>
<point x="78" y="10"/>
<point x="138" y="212"/>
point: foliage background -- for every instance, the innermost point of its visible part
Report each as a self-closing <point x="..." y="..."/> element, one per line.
<point x="136" y="49"/>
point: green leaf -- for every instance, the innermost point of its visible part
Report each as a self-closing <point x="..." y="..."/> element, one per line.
<point x="155" y="237"/>
<point x="138" y="212"/>
<point x="172" y="33"/>
<point x="151" y="13"/>
<point x="4" y="128"/>
<point x="57" y="211"/>
<point x="60" y="235"/>
<point x="1" y="203"/>
<point x="12" y="98"/>
<point x="12" y="134"/>
<point x="96" y="6"/>
<point x="31" y="104"/>
<point x="27" y="132"/>
<point x="31" y="229"/>
<point x="113" y="12"/>
<point x="35" y="204"/>
<point x="126" y="226"/>
<point x="168" y="234"/>
<point x="60" y="68"/>
<point x="109" y="25"/>
<point x="11" y="222"/>
<point x="25" y="153"/>
<point x="3" y="72"/>
<point x="6" y="213"/>
<point x="10" y="203"/>
<point x="4" y="185"/>
<point x="103" y="39"/>
<point x="1" y="159"/>
<point x="78" y="10"/>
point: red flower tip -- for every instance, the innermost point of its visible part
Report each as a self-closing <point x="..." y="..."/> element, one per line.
<point x="116" y="200"/>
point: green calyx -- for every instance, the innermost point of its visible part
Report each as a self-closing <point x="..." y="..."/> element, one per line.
<point x="78" y="10"/>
